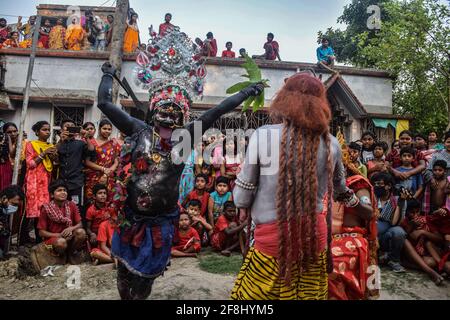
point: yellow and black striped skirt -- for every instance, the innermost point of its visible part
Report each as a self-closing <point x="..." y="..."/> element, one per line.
<point x="259" y="280"/>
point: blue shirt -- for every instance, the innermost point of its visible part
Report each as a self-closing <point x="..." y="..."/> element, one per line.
<point x="412" y="183"/>
<point x="323" y="53"/>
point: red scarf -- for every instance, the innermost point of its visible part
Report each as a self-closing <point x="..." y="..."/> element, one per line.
<point x="57" y="214"/>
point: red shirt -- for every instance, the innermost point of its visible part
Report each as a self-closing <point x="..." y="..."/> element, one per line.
<point x="218" y="238"/>
<point x="185" y="237"/>
<point x="394" y="158"/>
<point x="163" y="27"/>
<point x="228" y="54"/>
<point x="105" y="233"/>
<point x="193" y="195"/>
<point x="213" y="48"/>
<point x="48" y="225"/>
<point x="272" y="49"/>
<point x="97" y="216"/>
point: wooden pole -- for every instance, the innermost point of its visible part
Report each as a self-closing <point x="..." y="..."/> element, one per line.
<point x="116" y="55"/>
<point x="26" y="98"/>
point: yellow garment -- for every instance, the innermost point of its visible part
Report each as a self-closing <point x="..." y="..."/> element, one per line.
<point x="131" y="39"/>
<point x="259" y="279"/>
<point x="74" y="37"/>
<point x="56" y="38"/>
<point x="401" y="126"/>
<point x="40" y="147"/>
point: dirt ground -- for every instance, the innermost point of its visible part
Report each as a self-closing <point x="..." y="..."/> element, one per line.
<point x="184" y="280"/>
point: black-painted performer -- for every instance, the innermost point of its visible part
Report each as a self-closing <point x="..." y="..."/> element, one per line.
<point x="143" y="244"/>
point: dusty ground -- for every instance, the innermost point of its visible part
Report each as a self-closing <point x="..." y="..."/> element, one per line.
<point x="183" y="280"/>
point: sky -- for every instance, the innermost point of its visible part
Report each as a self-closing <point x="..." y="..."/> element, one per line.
<point x="294" y="23"/>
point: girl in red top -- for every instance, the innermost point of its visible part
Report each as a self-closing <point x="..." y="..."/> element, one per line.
<point x="188" y="244"/>
<point x="199" y="193"/>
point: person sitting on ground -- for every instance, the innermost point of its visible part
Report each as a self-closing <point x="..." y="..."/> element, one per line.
<point x="102" y="254"/>
<point x="199" y="223"/>
<point x="227" y="231"/>
<point x="97" y="213"/>
<point x="368" y="140"/>
<point x="199" y="193"/>
<point x="242" y="53"/>
<point x="414" y="183"/>
<point x="60" y="224"/>
<point x="419" y="238"/>
<point x="325" y="54"/>
<point x="10" y="200"/>
<point x="378" y="163"/>
<point x="218" y="199"/>
<point x="394" y="159"/>
<point x="354" y="150"/>
<point x="272" y="49"/>
<point x="391" y="212"/>
<point x="187" y="243"/>
<point x="166" y="26"/>
<point x="228" y="53"/>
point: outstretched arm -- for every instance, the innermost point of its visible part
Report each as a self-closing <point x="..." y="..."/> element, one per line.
<point x="208" y="118"/>
<point x="120" y="119"/>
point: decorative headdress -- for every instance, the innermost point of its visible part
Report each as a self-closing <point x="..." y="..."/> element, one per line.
<point x="172" y="70"/>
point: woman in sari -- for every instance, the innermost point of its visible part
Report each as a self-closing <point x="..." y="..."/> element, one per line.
<point x="131" y="39"/>
<point x="7" y="151"/>
<point x="74" y="36"/>
<point x="40" y="156"/>
<point x="107" y="160"/>
<point x="89" y="127"/>
<point x="57" y="36"/>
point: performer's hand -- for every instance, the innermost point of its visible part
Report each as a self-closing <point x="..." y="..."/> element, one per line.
<point x="107" y="68"/>
<point x="254" y="89"/>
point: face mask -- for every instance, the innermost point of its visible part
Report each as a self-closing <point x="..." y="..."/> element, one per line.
<point x="10" y="209"/>
<point x="380" y="191"/>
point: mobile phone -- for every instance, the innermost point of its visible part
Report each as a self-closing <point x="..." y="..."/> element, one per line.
<point x="74" y="130"/>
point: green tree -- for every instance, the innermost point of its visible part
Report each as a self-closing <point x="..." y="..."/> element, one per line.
<point x="414" y="46"/>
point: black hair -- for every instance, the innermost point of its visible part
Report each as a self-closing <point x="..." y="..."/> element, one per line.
<point x="3" y="19"/>
<point x="209" y="34"/>
<point x="228" y="42"/>
<point x="64" y="121"/>
<point x="412" y="204"/>
<point x="88" y="124"/>
<point x="409" y="150"/>
<point x="382" y="145"/>
<point x="55" y="185"/>
<point x="222" y="179"/>
<point x="194" y="203"/>
<point x="325" y="39"/>
<point x="383" y="176"/>
<point x="355" y="146"/>
<point x="38" y="126"/>
<point x="441" y="164"/>
<point x="168" y="14"/>
<point x="206" y="165"/>
<point x="104" y="122"/>
<point x="242" y="49"/>
<point x="110" y="15"/>
<point x="369" y="133"/>
<point x="7" y="125"/>
<point x="11" y="192"/>
<point x="201" y="175"/>
<point x="99" y="187"/>
<point x="229" y="204"/>
<point x="393" y="143"/>
<point x="447" y="135"/>
<point x="270" y="34"/>
<point x="408" y="132"/>
<point x="419" y="135"/>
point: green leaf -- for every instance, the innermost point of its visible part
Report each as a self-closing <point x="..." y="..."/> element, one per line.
<point x="248" y="103"/>
<point x="238" y="87"/>
<point x="259" y="102"/>
<point x="252" y="69"/>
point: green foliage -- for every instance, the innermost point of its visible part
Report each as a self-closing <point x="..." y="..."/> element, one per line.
<point x="413" y="45"/>
<point x="215" y="263"/>
<point x="254" y="75"/>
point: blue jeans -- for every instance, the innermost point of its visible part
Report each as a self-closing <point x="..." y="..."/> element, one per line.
<point x="392" y="239"/>
<point x="99" y="45"/>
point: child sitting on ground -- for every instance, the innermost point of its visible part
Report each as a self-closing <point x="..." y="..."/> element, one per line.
<point x="378" y="163"/>
<point x="188" y="240"/>
<point x="414" y="183"/>
<point x="227" y="231"/>
<point x="60" y="224"/>
<point x="97" y="212"/>
<point x="199" y="223"/>
<point x="102" y="254"/>
<point x="199" y="193"/>
<point x="217" y="199"/>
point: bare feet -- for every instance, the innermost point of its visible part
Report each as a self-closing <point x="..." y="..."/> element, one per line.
<point x="437" y="279"/>
<point x="225" y="253"/>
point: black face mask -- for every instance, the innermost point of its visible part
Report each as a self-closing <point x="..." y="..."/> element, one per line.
<point x="380" y="191"/>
